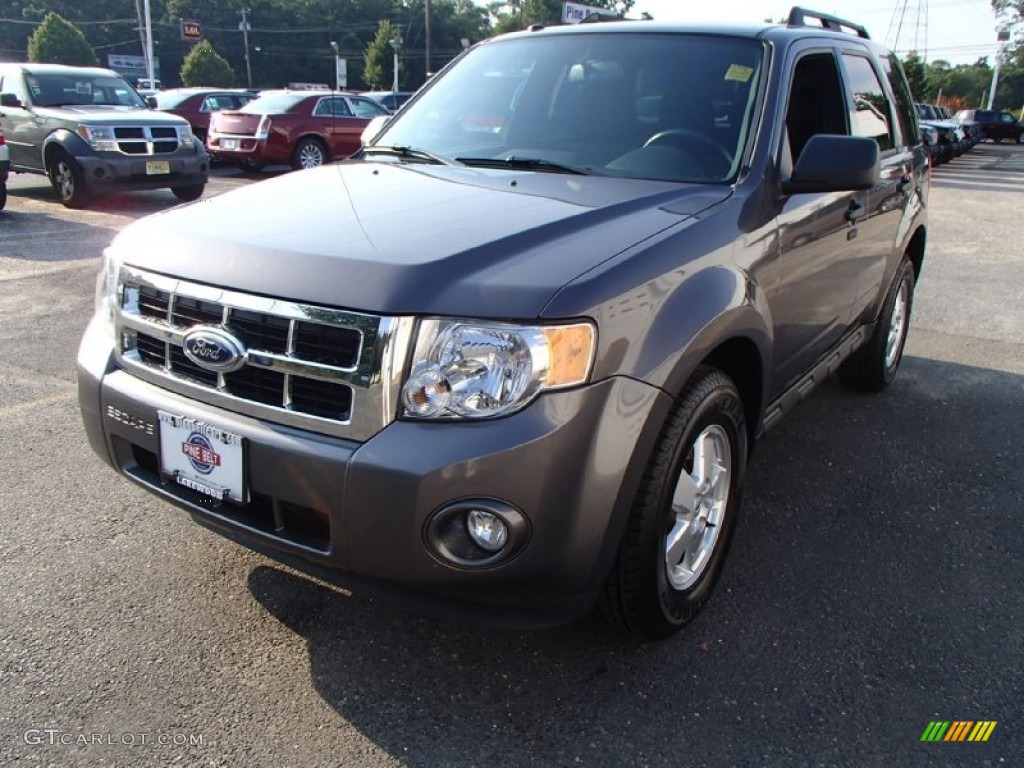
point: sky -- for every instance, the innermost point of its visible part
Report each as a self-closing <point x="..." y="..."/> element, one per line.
<point x="959" y="31"/>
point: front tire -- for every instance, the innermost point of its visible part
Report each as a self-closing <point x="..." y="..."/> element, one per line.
<point x="189" y="193"/>
<point x="67" y="180"/>
<point x="873" y="367"/>
<point x="684" y="513"/>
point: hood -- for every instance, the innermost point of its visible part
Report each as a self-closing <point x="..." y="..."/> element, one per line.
<point x="410" y="239"/>
<point x="110" y="115"/>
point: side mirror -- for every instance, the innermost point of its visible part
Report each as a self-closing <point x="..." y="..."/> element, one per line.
<point x="830" y="163"/>
<point x="374" y="127"/>
<point x="10" y="100"/>
<point x="151" y="102"/>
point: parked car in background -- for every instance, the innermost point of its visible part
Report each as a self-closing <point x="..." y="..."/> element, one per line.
<point x="993" y="124"/>
<point x="302" y="129"/>
<point x="953" y="138"/>
<point x="390" y="100"/>
<point x="5" y="164"/>
<point x="90" y="131"/>
<point x="197" y="104"/>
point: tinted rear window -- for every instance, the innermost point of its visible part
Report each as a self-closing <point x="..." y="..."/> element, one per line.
<point x="274" y="103"/>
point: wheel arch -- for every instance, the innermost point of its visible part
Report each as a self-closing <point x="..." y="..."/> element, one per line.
<point x="63" y="140"/>
<point x="915" y="250"/>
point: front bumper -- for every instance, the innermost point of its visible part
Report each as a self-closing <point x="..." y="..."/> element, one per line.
<point x="356" y="514"/>
<point x="104" y="171"/>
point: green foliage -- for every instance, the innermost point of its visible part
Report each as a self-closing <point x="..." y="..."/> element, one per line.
<point x="377" y="71"/>
<point x="917" y="75"/>
<point x="204" y="66"/>
<point x="58" y="41"/>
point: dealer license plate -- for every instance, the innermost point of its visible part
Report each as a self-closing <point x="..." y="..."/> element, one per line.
<point x="229" y="143"/>
<point x="202" y="457"/>
<point x="157" y="166"/>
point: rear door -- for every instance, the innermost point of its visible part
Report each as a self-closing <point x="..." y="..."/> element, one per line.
<point x="874" y="115"/>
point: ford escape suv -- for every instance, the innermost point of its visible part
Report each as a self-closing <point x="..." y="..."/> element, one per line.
<point x="626" y="250"/>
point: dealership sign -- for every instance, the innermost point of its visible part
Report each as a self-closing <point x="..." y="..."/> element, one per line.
<point x="191" y="30"/>
<point x="574" y="13"/>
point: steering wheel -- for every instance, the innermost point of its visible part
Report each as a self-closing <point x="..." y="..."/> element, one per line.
<point x="713" y="145"/>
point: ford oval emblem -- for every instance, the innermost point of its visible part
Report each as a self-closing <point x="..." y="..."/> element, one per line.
<point x="214" y="349"/>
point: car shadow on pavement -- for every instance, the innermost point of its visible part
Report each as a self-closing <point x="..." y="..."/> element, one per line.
<point x="136" y="204"/>
<point x="873" y="585"/>
<point x="31" y="237"/>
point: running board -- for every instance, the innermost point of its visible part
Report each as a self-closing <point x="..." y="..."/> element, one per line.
<point x="789" y="399"/>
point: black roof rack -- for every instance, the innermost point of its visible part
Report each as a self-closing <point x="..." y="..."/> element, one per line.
<point x="798" y="17"/>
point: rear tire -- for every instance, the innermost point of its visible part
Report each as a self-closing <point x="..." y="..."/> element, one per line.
<point x="309" y="153"/>
<point x="189" y="193"/>
<point x="3" y="195"/>
<point x="873" y="367"/>
<point x="67" y="180"/>
<point x="684" y="513"/>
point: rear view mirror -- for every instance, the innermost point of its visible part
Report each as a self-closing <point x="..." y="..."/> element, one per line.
<point x="151" y="102"/>
<point x="9" y="100"/>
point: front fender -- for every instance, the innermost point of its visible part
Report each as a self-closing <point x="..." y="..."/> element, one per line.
<point x="67" y="140"/>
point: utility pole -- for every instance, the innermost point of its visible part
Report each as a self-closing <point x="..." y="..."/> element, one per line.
<point x="427" y="23"/>
<point x="244" y="26"/>
<point x="149" y="48"/>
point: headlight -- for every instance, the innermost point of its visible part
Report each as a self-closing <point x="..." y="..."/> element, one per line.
<point x="108" y="296"/>
<point x="185" y="136"/>
<point x="100" y="137"/>
<point x="471" y="370"/>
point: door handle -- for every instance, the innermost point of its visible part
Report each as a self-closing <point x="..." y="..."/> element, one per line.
<point x="854" y="211"/>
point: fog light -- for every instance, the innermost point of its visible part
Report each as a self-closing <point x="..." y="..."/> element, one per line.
<point x="476" y="533"/>
<point x="486" y="529"/>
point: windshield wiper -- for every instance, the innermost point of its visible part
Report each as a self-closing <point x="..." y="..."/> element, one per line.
<point x="522" y="163"/>
<point x="408" y="152"/>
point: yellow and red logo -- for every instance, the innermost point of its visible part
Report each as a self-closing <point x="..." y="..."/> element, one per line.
<point x="958" y="730"/>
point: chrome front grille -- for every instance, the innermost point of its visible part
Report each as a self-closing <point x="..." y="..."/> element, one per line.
<point x="146" y="140"/>
<point x="313" y="367"/>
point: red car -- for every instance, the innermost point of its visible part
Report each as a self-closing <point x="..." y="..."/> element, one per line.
<point x="197" y="104"/>
<point x="302" y="129"/>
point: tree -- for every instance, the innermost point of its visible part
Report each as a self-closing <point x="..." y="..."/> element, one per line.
<point x="376" y="71"/>
<point x="58" y="41"/>
<point x="204" y="66"/>
<point x="917" y="75"/>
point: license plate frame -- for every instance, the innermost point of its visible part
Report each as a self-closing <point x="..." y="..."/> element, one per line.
<point x="203" y="457"/>
<point x="157" y="167"/>
<point x="229" y="143"/>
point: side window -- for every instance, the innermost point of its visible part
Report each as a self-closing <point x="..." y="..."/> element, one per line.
<point x="332" y="108"/>
<point x="367" y="108"/>
<point x="870" y="117"/>
<point x="816" y="103"/>
<point x="903" y="99"/>
<point x="13" y="84"/>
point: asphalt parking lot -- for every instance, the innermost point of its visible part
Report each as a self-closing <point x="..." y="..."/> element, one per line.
<point x="874" y="583"/>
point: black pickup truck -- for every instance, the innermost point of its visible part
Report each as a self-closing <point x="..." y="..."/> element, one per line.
<point x="509" y="362"/>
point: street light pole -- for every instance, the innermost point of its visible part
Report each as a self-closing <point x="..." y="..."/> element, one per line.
<point x="426" y="20"/>
<point x="244" y="26"/>
<point x="396" y="43"/>
<point x="337" y="67"/>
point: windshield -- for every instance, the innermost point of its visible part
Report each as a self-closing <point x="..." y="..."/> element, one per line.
<point x="638" y="105"/>
<point x="273" y="103"/>
<point x="82" y="89"/>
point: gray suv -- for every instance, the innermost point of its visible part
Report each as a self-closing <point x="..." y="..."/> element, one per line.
<point x="90" y="132"/>
<point x="508" y="363"/>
